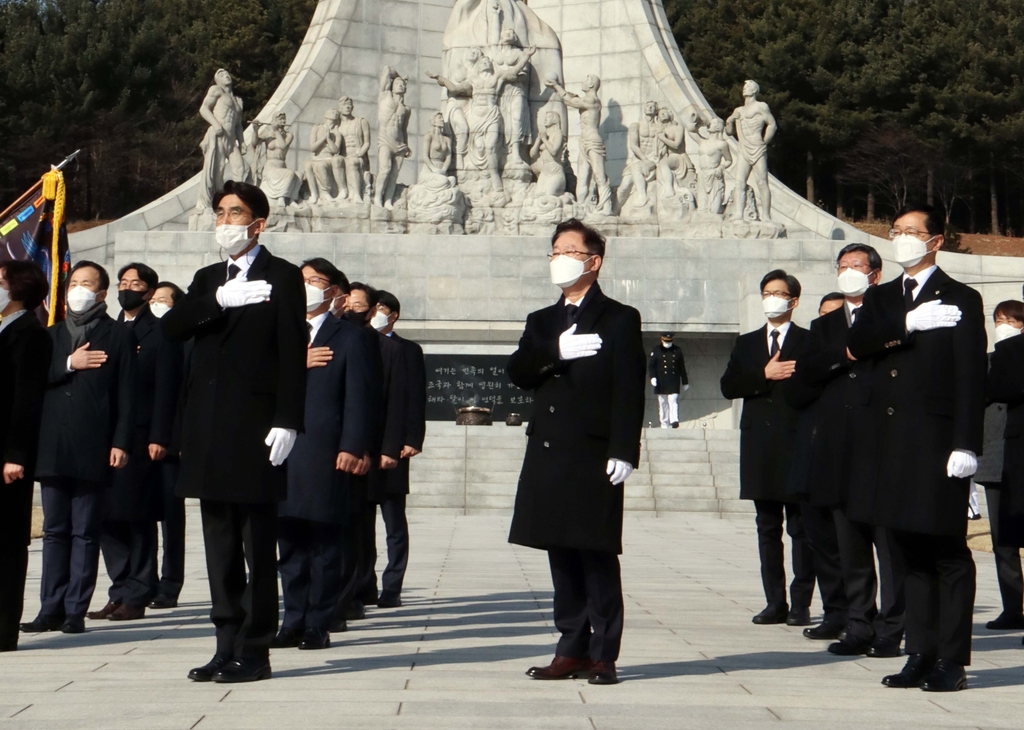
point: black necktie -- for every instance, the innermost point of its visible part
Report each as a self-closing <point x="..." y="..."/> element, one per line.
<point x="571" y="310"/>
<point x="309" y="326"/>
<point x="233" y="271"/>
<point x="775" y="343"/>
<point x="908" y="293"/>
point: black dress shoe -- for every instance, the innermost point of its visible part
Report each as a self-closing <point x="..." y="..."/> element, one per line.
<point x="205" y="673"/>
<point x="73" y="625"/>
<point x="246" y="669"/>
<point x="849" y="647"/>
<point x="825" y="631"/>
<point x="1006" y="622"/>
<point x="389" y="599"/>
<point x="339" y="626"/>
<point x="603" y="673"/>
<point x="286" y="639"/>
<point x="163" y="602"/>
<point x="884" y="649"/>
<point x="913" y="673"/>
<point x="947" y="676"/>
<point x="675" y="424"/>
<point x="799" y="617"/>
<point x="356" y="611"/>
<point x="772" y="614"/>
<point x="41" y="623"/>
<point x="315" y="639"/>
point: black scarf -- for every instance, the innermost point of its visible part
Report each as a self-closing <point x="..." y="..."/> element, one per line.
<point x="81" y="324"/>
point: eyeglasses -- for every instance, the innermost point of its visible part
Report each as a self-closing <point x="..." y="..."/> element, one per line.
<point x="777" y="293"/>
<point x="857" y="266"/>
<point x="133" y="284"/>
<point x="235" y="215"/>
<point x="572" y="253"/>
<point x="318" y="281"/>
<point x="924" y="235"/>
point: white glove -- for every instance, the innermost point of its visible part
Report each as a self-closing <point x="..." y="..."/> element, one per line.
<point x="932" y="315"/>
<point x="572" y="346"/>
<point x="654" y="382"/>
<point x="618" y="471"/>
<point x="238" y="293"/>
<point x="686" y="387"/>
<point x="962" y="463"/>
<point x="280" y="441"/>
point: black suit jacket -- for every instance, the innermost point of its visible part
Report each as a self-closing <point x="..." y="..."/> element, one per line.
<point x="768" y="423"/>
<point x="928" y="398"/>
<point x="396" y="481"/>
<point x="247" y="375"/>
<point x="336" y="420"/>
<point x="394" y="418"/>
<point x="585" y="412"/>
<point x="86" y="413"/>
<point x="1006" y="385"/>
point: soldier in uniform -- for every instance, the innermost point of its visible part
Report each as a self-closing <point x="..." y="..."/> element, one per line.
<point x="668" y="373"/>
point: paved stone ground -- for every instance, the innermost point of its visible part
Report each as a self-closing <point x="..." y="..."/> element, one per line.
<point x="477" y="614"/>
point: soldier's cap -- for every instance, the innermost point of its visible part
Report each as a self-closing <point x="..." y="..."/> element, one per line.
<point x="667" y="336"/>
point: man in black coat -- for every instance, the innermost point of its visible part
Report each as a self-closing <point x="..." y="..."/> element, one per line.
<point x="843" y="442"/>
<point x="88" y="431"/>
<point x="25" y="352"/>
<point x="583" y="358"/>
<point x="395" y="481"/>
<point x="244" y="406"/>
<point x="925" y="333"/>
<point x="132" y="507"/>
<point x="329" y="450"/>
<point x="759" y="371"/>
<point x="667" y="372"/>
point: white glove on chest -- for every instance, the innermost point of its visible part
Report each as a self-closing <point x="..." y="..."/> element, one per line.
<point x="962" y="463"/>
<point x="618" y="471"/>
<point x="280" y="441"/>
<point x="239" y="293"/>
<point x="572" y="346"/>
<point x="932" y="315"/>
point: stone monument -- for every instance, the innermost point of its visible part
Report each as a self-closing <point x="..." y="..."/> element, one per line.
<point x="224" y="143"/>
<point x="754" y="127"/>
<point x="274" y="178"/>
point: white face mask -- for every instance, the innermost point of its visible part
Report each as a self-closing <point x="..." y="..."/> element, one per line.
<point x="159" y="309"/>
<point x="666" y="345"/>
<point x="80" y="299"/>
<point x="909" y="251"/>
<point x="1005" y="331"/>
<point x="233" y="239"/>
<point x="853" y="283"/>
<point x="775" y="307"/>
<point x="314" y="297"/>
<point x="379" y="321"/>
<point x="566" y="271"/>
<point x="5" y="299"/>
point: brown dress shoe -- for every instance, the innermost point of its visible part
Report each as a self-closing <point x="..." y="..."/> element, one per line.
<point x="103" y="613"/>
<point x="125" y="612"/>
<point x="561" y="667"/>
<point x="603" y="673"/>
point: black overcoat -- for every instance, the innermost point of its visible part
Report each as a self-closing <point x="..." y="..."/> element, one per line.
<point x="86" y="413"/>
<point x="396" y="481"/>
<point x="928" y="398"/>
<point x="136" y="492"/>
<point x="768" y="423"/>
<point x="394" y="416"/>
<point x="336" y="420"/>
<point x="667" y="365"/>
<point x="585" y="412"/>
<point x="1006" y="385"/>
<point x="247" y="374"/>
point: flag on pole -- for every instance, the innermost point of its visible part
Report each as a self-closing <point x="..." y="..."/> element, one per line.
<point x="33" y="228"/>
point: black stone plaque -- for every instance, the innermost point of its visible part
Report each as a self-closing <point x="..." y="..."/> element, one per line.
<point x="454" y="381"/>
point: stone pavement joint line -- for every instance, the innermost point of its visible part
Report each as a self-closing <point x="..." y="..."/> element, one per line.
<point x="476" y="615"/>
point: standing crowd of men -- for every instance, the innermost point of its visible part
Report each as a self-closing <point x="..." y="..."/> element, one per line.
<point x="206" y="394"/>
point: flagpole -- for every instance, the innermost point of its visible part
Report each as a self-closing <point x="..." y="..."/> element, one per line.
<point x="20" y="201"/>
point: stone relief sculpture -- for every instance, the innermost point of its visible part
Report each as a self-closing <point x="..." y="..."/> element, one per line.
<point x="646" y="150"/>
<point x="714" y="158"/>
<point x="754" y="127"/>
<point x="352" y="166"/>
<point x="435" y="198"/>
<point x="280" y="183"/>
<point x="515" y="107"/>
<point x="325" y="144"/>
<point x="392" y="135"/>
<point x="546" y="202"/>
<point x="223" y="144"/>
<point x="675" y="170"/>
<point x="593" y="188"/>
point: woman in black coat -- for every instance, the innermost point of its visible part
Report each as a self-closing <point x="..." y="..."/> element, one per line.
<point x="25" y="352"/>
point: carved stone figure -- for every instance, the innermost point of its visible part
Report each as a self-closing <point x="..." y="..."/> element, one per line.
<point x="754" y="127"/>
<point x="714" y="157"/>
<point x="280" y="183"/>
<point x="392" y="135"/>
<point x="590" y="172"/>
<point x="547" y="153"/>
<point x="515" y="106"/>
<point x="325" y="144"/>
<point x="458" y="105"/>
<point x="645" y="152"/>
<point x="223" y="144"/>
<point x="436" y="198"/>
<point x="675" y="170"/>
<point x="352" y="166"/>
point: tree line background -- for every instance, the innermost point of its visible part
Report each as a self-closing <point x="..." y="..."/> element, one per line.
<point x="878" y="101"/>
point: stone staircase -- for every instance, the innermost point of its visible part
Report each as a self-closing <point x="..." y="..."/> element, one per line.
<point x="475" y="469"/>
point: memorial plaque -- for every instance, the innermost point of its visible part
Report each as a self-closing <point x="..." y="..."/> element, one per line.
<point x="454" y="381"/>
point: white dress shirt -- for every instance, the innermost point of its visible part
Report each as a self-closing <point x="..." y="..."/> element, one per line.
<point x="921" y="277"/>
<point x="10" y="318"/>
<point x="317" y="322"/>
<point x="783" y="329"/>
<point x="244" y="262"/>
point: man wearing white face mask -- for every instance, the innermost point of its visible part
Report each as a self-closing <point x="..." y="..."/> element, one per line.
<point x="925" y="334"/>
<point x="244" y="405"/>
<point x="584" y="359"/>
<point x="668" y="372"/>
<point x="759" y="371"/>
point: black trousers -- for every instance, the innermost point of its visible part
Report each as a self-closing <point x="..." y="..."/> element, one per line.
<point x="71" y="545"/>
<point x="129" y="552"/>
<point x="770" y="514"/>
<point x="588" y="608"/>
<point x="366" y="580"/>
<point x="866" y="618"/>
<point x="1008" y="567"/>
<point x="310" y="566"/>
<point x="15" y="531"/>
<point x="353" y="546"/>
<point x="820" y="526"/>
<point x="940" y="586"/>
<point x="172" y="529"/>
<point x="392" y="509"/>
<point x="240" y="537"/>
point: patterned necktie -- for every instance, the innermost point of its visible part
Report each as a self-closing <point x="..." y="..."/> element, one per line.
<point x="775" y="343"/>
<point x="908" y="293"/>
<point x="233" y="271"/>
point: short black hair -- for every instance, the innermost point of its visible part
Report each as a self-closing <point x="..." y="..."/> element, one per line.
<point x="251" y="195"/>
<point x="389" y="300"/>
<point x="26" y="282"/>
<point x="104" y="276"/>
<point x="328" y="270"/>
<point x="146" y="274"/>
<point x="372" y="295"/>
<point x="1011" y="308"/>
<point x="176" y="291"/>
<point x="834" y="296"/>
<point x="593" y="240"/>
<point x="874" y="259"/>
<point x="792" y="283"/>
<point x="932" y="220"/>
